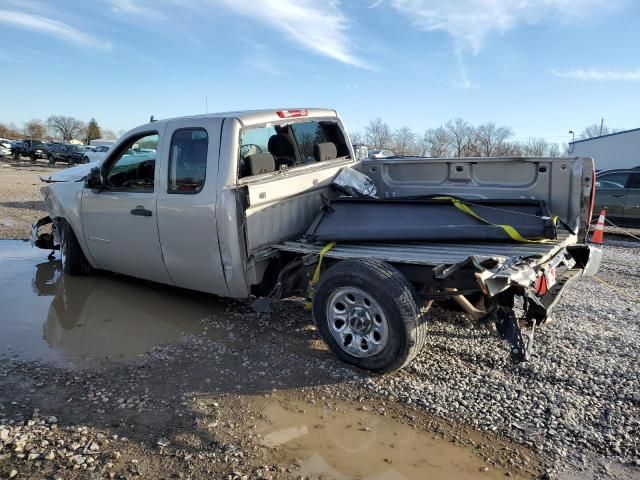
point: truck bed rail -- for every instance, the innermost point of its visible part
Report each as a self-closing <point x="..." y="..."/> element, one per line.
<point x="433" y="253"/>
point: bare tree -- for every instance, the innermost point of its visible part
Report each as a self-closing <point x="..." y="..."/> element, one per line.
<point x="377" y="134"/>
<point x="66" y="128"/>
<point x="357" y="138"/>
<point x="108" y="135"/>
<point x="35" y="129"/>
<point x="435" y="143"/>
<point x="404" y="141"/>
<point x="554" y="150"/>
<point x="489" y="138"/>
<point x="536" y="147"/>
<point x="460" y="134"/>
<point x="9" y="131"/>
<point x="509" y="149"/>
<point x="595" y="130"/>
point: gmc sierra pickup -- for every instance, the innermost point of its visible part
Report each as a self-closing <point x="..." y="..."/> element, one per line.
<point x="273" y="203"/>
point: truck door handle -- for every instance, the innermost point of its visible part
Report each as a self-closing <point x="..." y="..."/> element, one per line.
<point x="616" y="195"/>
<point x="141" y="211"/>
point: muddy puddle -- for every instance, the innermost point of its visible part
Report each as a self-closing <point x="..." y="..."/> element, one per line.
<point x="348" y="443"/>
<point x="76" y="321"/>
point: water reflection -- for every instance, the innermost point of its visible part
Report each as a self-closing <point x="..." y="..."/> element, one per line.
<point x="100" y="316"/>
<point x="345" y="443"/>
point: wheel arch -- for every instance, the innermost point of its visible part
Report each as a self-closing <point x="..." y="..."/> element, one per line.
<point x="63" y="202"/>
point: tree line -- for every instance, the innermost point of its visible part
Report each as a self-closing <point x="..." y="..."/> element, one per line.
<point x="57" y="128"/>
<point x="459" y="138"/>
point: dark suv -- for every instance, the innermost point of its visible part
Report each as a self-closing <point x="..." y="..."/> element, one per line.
<point x="62" y="152"/>
<point x="34" y="149"/>
<point x="618" y="192"/>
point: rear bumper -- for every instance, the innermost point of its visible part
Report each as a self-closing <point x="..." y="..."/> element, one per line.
<point x="588" y="259"/>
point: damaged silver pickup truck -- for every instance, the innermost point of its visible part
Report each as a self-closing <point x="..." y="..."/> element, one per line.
<point x="274" y="204"/>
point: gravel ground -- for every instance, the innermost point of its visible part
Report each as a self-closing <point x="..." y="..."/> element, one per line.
<point x="580" y="396"/>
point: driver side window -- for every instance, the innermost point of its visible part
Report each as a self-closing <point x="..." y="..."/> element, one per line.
<point x="134" y="167"/>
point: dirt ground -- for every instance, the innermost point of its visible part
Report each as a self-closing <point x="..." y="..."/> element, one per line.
<point x="110" y="377"/>
<point x="20" y="198"/>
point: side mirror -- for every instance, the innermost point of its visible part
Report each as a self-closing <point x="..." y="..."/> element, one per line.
<point x="94" y="179"/>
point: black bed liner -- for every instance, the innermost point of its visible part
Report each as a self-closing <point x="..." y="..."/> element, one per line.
<point x="407" y="220"/>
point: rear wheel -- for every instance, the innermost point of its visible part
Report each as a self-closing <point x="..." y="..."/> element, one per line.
<point x="73" y="260"/>
<point x="33" y="158"/>
<point x="369" y="315"/>
<point x="51" y="159"/>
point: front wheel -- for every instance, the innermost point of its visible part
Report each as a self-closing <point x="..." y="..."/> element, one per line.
<point x="33" y="158"/>
<point x="369" y="315"/>
<point x="51" y="160"/>
<point x="73" y="260"/>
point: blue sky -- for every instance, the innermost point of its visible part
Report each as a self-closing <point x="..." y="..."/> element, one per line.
<point x="542" y="67"/>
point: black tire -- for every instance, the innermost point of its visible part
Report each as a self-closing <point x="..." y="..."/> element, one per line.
<point x="407" y="328"/>
<point x="16" y="156"/>
<point x="72" y="161"/>
<point x="51" y="160"/>
<point x="85" y="160"/>
<point x="73" y="260"/>
<point x="33" y="158"/>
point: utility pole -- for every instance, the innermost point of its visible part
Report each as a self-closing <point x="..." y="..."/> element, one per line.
<point x="601" y="125"/>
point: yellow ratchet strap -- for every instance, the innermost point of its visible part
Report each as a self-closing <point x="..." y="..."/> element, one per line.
<point x="316" y="274"/>
<point x="509" y="230"/>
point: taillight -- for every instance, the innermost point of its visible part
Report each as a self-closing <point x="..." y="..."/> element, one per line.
<point x="299" y="112"/>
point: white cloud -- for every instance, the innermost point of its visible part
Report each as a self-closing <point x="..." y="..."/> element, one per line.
<point x="49" y="26"/>
<point x="599" y="75"/>
<point x="469" y="22"/>
<point x="317" y="25"/>
<point x="133" y="7"/>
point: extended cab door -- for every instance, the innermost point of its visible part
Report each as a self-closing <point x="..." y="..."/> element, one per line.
<point x="120" y="222"/>
<point x="632" y="200"/>
<point x="187" y="194"/>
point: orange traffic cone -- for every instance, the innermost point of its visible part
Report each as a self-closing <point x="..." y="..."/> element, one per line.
<point x="598" y="232"/>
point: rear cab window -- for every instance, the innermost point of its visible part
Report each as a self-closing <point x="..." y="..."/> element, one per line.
<point x="277" y="147"/>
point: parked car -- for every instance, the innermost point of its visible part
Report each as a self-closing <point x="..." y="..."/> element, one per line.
<point x="230" y="204"/>
<point x="5" y="147"/>
<point x="95" y="153"/>
<point x="62" y="152"/>
<point x="34" y="149"/>
<point x="381" y="154"/>
<point x="618" y="194"/>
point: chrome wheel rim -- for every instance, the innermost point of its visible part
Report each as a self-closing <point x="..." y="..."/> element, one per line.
<point x="63" y="251"/>
<point x="357" y="322"/>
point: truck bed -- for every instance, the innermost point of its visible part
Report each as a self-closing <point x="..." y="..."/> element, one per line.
<point x="434" y="253"/>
